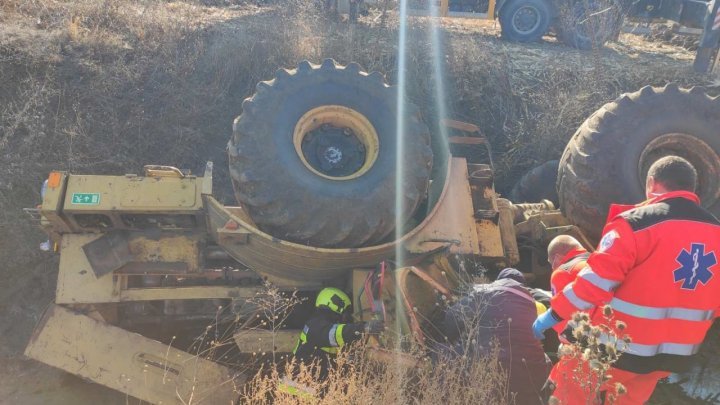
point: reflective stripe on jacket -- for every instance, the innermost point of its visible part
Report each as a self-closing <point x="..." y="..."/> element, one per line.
<point x="655" y="266"/>
<point x="322" y="336"/>
<point x="572" y="263"/>
<point x="335" y="339"/>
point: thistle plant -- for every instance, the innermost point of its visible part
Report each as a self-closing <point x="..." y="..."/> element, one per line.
<point x="595" y="348"/>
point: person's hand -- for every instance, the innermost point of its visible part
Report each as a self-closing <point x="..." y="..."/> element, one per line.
<point x="374" y="327"/>
<point x="543" y="323"/>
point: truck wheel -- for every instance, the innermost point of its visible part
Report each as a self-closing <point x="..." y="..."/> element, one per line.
<point x="537" y="184"/>
<point x="607" y="159"/>
<point x="589" y="24"/>
<point x="313" y="156"/>
<point x="525" y="20"/>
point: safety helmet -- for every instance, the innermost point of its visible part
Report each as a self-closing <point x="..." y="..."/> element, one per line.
<point x="334" y="299"/>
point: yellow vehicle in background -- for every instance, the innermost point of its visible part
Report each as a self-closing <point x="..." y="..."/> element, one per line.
<point x="586" y="24"/>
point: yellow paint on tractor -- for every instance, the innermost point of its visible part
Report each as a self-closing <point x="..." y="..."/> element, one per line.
<point x="130" y="240"/>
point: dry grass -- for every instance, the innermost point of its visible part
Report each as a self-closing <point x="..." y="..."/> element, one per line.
<point x="358" y="379"/>
<point x="362" y="373"/>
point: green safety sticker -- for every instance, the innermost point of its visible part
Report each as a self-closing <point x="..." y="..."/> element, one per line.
<point x="85" y="198"/>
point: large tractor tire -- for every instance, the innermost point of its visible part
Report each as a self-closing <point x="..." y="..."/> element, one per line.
<point x="313" y="156"/>
<point x="525" y="20"/>
<point x="607" y="159"/>
<point x="589" y="24"/>
<point x="537" y="184"/>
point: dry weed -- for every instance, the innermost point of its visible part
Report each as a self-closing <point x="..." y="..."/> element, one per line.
<point x="596" y="348"/>
<point x="361" y="378"/>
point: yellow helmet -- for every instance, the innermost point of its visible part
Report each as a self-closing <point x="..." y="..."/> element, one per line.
<point x="334" y="299"/>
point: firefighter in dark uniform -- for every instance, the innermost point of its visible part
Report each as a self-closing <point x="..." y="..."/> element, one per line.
<point x="325" y="333"/>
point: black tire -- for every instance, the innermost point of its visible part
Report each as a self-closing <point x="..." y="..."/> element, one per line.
<point x="589" y="24"/>
<point x="287" y="199"/>
<point x="525" y="20"/>
<point x="607" y="159"/>
<point x="537" y="184"/>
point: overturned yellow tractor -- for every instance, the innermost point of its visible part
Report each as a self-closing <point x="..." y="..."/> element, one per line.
<point x="334" y="189"/>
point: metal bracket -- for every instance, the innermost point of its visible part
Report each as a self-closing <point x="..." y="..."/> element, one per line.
<point x="108" y="253"/>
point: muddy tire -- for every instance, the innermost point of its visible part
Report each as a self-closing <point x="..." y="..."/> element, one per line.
<point x="525" y="20"/>
<point x="313" y="156"/>
<point x="607" y="159"/>
<point x="537" y="184"/>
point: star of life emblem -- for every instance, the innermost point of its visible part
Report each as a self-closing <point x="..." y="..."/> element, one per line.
<point x="608" y="240"/>
<point x="694" y="266"/>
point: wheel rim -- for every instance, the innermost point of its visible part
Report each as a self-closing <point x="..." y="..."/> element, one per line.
<point x="705" y="160"/>
<point x="526" y="19"/>
<point x="336" y="142"/>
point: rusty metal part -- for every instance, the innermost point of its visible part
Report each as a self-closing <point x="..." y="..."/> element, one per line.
<point x="472" y="140"/>
<point x="216" y="253"/>
<point x="461" y="126"/>
<point x="420" y="288"/>
<point x="537" y="231"/>
<point x="163" y="171"/>
<point x="507" y="231"/>
<point x="543" y="227"/>
<point x="143" y="253"/>
<point x="522" y="212"/>
<point x="108" y="253"/>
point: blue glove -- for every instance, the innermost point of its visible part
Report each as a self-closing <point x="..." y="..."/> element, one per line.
<point x="543" y="323"/>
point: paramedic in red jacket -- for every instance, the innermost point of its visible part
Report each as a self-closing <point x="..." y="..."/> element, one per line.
<point x="567" y="257"/>
<point x="656" y="267"/>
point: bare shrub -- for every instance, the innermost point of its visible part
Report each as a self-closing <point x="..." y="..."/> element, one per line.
<point x="595" y="349"/>
<point x="360" y="378"/>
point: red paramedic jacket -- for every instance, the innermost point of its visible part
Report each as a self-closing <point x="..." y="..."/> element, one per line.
<point x="572" y="263"/>
<point x="657" y="267"/>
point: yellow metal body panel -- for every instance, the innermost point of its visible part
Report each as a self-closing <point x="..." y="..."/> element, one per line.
<point x="76" y="280"/>
<point x="451" y="224"/>
<point x="491" y="9"/>
<point x="452" y="219"/>
<point x="177" y="248"/>
<point x="187" y="293"/>
<point x="132" y="193"/>
<point x="489" y="233"/>
<point x="128" y="362"/>
<point x="77" y="283"/>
